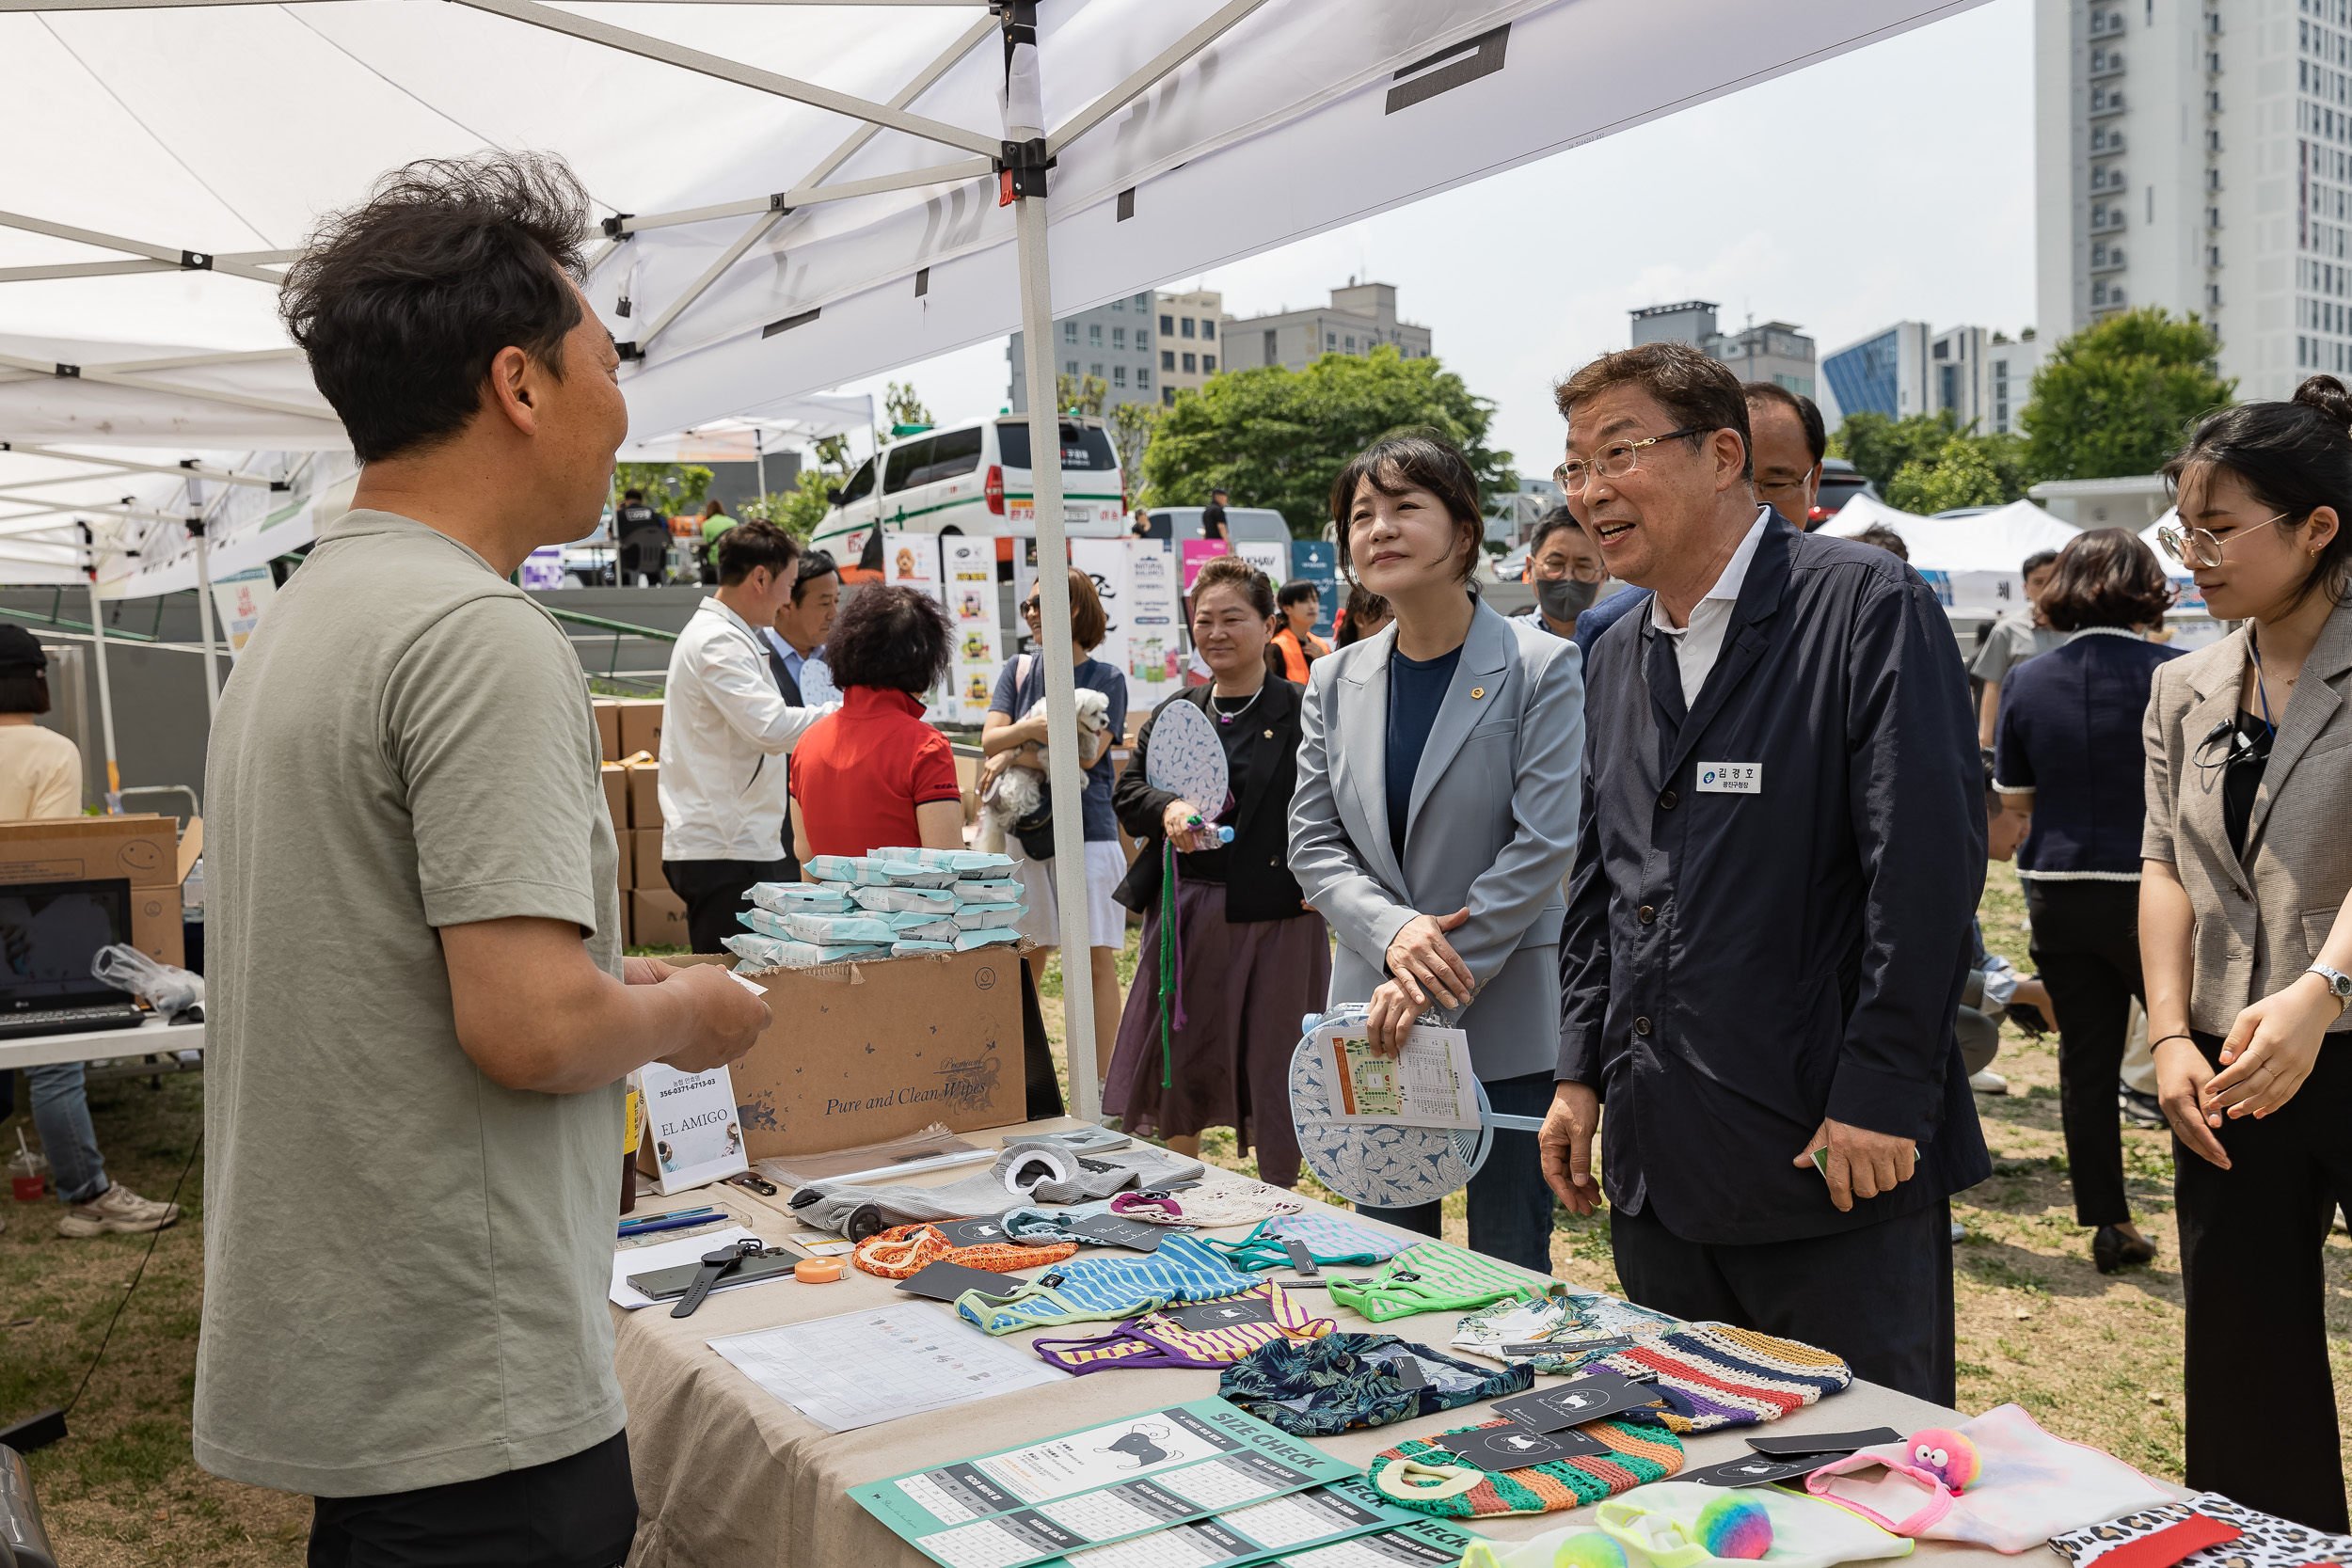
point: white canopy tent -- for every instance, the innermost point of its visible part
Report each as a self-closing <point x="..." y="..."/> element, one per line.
<point x="793" y="231"/>
<point x="1972" y="562"/>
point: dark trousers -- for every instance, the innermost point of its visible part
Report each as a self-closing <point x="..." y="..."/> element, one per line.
<point x="575" y="1513"/>
<point x="1510" y="1207"/>
<point x="2085" y="942"/>
<point x="714" y="890"/>
<point x="2262" y="1408"/>
<point x="1879" y="1296"/>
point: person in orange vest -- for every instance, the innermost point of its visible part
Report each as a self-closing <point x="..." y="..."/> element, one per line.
<point x="1299" y="602"/>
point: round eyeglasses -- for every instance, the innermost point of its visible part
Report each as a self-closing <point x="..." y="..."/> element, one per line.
<point x="2197" y="546"/>
<point x="1615" y="460"/>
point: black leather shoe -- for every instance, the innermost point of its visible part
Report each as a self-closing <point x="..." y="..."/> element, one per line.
<point x="2112" y="1251"/>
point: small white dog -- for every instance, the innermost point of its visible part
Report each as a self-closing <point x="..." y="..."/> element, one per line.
<point x="1012" y="792"/>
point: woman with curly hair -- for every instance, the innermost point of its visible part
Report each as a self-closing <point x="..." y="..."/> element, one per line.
<point x="875" y="773"/>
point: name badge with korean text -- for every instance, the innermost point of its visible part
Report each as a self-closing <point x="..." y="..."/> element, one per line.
<point x="1731" y="778"/>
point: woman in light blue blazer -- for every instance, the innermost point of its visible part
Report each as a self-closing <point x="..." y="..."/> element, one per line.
<point x="1437" y="809"/>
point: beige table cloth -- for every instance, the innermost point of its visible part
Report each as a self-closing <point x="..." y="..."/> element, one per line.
<point x="728" y="1475"/>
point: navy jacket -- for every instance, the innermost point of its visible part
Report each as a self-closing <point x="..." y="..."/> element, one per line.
<point x="1736" y="967"/>
<point x="2070" y="732"/>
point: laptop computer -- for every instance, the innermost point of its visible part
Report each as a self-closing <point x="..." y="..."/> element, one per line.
<point x="50" y="934"/>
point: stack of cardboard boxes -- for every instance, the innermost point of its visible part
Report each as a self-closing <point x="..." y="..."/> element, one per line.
<point x="629" y="730"/>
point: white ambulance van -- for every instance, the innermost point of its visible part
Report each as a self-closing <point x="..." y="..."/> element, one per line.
<point x="975" y="479"/>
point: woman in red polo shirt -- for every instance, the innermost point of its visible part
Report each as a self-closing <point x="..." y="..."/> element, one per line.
<point x="874" y="773"/>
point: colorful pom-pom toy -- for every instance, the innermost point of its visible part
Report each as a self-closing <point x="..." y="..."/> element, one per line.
<point x="1733" y="1526"/>
<point x="1588" y="1549"/>
<point x="1951" y="1456"/>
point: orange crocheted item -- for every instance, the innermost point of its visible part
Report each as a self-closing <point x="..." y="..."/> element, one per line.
<point x="906" y="1250"/>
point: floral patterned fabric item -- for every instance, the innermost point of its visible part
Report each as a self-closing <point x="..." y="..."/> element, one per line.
<point x="1637" y="1455"/>
<point x="1577" y="1315"/>
<point x="1327" y="1386"/>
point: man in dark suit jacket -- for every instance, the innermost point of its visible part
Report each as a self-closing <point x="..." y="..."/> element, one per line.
<point x="797" y="636"/>
<point x="1768" y="929"/>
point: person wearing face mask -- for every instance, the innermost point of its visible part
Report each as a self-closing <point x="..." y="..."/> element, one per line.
<point x="1566" y="569"/>
<point x="1769" y="919"/>
<point x="1790" y="439"/>
<point x="2246" y="938"/>
<point x="1436" y="812"/>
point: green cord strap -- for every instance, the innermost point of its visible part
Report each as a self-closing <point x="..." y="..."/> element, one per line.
<point x="1168" y="959"/>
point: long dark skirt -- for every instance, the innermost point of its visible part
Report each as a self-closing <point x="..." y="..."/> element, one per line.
<point x="1245" y="989"/>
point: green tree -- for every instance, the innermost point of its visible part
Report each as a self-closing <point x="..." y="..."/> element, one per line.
<point x="1132" y="424"/>
<point x="1278" y="437"/>
<point x="671" y="487"/>
<point x="907" y="413"/>
<point x="1081" y="394"/>
<point x="801" y="509"/>
<point x="2118" y="397"/>
<point x="1961" y="475"/>
<point x="1879" y="447"/>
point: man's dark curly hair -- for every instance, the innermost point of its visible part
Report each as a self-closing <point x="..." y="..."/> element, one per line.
<point x="896" y="638"/>
<point x="402" y="301"/>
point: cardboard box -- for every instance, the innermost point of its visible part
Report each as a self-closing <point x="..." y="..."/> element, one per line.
<point x="657" y="918"/>
<point x="625" y="866"/>
<point x="144" y="850"/>
<point x="859" y="1053"/>
<point x="648" y="857"/>
<point x="617" y="800"/>
<point x="607" y="712"/>
<point x="644" y="794"/>
<point x="629" y="926"/>
<point x="641" y="725"/>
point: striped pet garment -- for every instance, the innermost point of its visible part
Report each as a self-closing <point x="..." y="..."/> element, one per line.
<point x="1096" y="1290"/>
<point x="1714" y="1375"/>
<point x="1157" y="1340"/>
<point x="1421" y="1475"/>
<point x="906" y="1250"/>
<point x="1435" y="1277"/>
<point x="1327" y="1237"/>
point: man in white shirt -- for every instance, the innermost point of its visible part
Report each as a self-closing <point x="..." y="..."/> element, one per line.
<point x="725" y="730"/>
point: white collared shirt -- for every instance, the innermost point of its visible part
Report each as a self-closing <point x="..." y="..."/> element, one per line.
<point x="724" y="729"/>
<point x="1698" y="645"/>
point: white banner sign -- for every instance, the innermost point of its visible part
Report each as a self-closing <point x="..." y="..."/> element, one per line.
<point x="912" y="560"/>
<point x="968" y="566"/>
<point x="239" y="600"/>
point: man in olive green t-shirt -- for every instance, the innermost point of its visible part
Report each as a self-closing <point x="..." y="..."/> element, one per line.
<point x="419" y="1011"/>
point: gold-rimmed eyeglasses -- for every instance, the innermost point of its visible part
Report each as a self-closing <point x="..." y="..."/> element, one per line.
<point x="1581" y="571"/>
<point x="1615" y="460"/>
<point x="2197" y="546"/>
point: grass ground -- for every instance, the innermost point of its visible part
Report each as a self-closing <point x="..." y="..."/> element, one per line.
<point x="2093" y="1358"/>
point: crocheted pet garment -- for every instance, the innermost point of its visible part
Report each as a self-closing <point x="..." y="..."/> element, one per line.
<point x="1157" y="1340"/>
<point x="1423" y="1476"/>
<point x="904" y="1251"/>
<point x="1714" y="1375"/>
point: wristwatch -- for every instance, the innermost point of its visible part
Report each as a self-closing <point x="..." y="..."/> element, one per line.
<point x="2339" y="985"/>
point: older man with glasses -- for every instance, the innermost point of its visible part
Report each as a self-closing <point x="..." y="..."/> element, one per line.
<point x="1767" y="927"/>
<point x="1789" y="441"/>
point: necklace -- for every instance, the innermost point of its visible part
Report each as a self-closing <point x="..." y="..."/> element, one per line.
<point x="1225" y="718"/>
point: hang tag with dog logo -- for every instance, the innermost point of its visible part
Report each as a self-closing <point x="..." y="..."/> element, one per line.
<point x="1515" y="1447"/>
<point x="1572" y="1404"/>
<point x="972" y="1233"/>
<point x="1113" y="1230"/>
<point x="1221" y="1314"/>
<point x="1757" y="1468"/>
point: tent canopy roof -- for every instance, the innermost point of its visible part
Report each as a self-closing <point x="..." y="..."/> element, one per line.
<point x="1989" y="541"/>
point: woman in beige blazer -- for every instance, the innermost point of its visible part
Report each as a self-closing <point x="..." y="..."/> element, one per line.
<point x="2246" y="938"/>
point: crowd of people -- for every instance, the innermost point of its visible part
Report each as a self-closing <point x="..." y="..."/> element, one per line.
<point x="1696" y="866"/>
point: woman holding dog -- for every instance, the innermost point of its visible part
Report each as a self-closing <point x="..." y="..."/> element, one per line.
<point x="1020" y="742"/>
<point x="1254" y="956"/>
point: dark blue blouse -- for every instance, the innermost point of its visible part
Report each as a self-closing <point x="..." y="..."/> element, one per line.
<point x="2070" y="731"/>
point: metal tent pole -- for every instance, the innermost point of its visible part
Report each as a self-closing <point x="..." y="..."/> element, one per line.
<point x="204" y="595"/>
<point x="1053" y="575"/>
<point x="105" y="693"/>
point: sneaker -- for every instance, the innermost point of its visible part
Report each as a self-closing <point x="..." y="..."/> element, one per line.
<point x="2139" y="1110"/>
<point x="1960" y="1231"/>
<point x="1987" y="1082"/>
<point x="119" y="1210"/>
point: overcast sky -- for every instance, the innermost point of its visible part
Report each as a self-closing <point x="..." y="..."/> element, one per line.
<point x="1892" y="183"/>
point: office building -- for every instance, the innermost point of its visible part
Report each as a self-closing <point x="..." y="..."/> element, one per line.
<point x="1361" y="318"/>
<point x="2197" y="155"/>
<point x="1982" y="377"/>
<point x="1883" y="372"/>
<point x="1760" y="351"/>
<point x="1189" y="347"/>
<point x="1116" y="341"/>
<point x="2010" y="364"/>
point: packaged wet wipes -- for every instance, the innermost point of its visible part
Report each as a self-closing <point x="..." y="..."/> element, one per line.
<point x="830" y="931"/>
<point x="765" y="952"/>
<point x="920" y="927"/>
<point x="982" y="917"/>
<point x="937" y="902"/>
<point x="908" y="949"/>
<point x="800" y="897"/>
<point x="963" y="863"/>
<point x="867" y="871"/>
<point x="966" y="941"/>
<point x="988" y="891"/>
